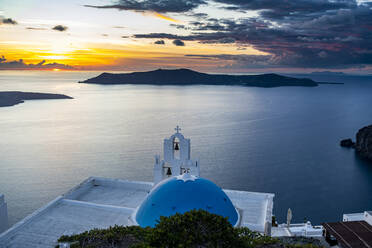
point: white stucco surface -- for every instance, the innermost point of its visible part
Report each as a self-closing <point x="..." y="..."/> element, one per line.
<point x="353" y="217"/>
<point x="100" y="203"/>
<point x="366" y="216"/>
<point x="112" y="192"/>
<point x="256" y="208"/>
<point x="280" y="232"/>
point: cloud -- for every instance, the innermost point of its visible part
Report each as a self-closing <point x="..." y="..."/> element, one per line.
<point x="21" y="65"/>
<point x="178" y="42"/>
<point x="311" y="36"/>
<point x="179" y="26"/>
<point x="240" y="60"/>
<point x="161" y="6"/>
<point x="60" y="28"/>
<point x="32" y="28"/>
<point x="224" y="40"/>
<point x="163" y="36"/>
<point x="201" y="16"/>
<point x="159" y="42"/>
<point x="218" y="37"/>
<point x="9" y="21"/>
<point x="279" y="9"/>
<point x="295" y="33"/>
<point x="119" y="27"/>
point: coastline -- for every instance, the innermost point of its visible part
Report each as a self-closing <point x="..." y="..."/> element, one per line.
<point x="11" y="98"/>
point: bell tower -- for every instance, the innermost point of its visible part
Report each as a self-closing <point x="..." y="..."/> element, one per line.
<point x="176" y="158"/>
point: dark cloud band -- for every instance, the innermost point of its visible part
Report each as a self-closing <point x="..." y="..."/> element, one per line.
<point x="178" y="42"/>
<point x="21" y="65"/>
<point x="161" y="6"/>
<point x="296" y="33"/>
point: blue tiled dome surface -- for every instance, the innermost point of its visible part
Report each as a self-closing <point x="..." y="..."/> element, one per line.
<point x="176" y="195"/>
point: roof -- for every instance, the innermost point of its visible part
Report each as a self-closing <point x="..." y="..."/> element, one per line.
<point x="351" y="234"/>
<point x="103" y="202"/>
<point x="181" y="194"/>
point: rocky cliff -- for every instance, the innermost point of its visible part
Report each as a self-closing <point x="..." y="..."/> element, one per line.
<point x="363" y="145"/>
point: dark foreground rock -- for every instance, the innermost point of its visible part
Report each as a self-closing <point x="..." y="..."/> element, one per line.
<point x="189" y="77"/>
<point x="10" y="98"/>
<point x="363" y="144"/>
<point x="347" y="143"/>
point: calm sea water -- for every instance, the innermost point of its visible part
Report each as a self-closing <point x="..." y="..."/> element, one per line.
<point x="281" y="140"/>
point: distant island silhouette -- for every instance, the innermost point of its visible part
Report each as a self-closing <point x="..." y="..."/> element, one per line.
<point x="190" y="77"/>
<point x="10" y="98"/>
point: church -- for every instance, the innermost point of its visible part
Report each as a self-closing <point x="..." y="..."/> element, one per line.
<point x="177" y="187"/>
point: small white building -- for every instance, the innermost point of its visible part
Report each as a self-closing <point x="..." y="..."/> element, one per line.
<point x="299" y="229"/>
<point x="366" y="216"/>
<point x="103" y="202"/>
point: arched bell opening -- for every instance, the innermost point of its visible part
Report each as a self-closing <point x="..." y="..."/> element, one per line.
<point x="176" y="148"/>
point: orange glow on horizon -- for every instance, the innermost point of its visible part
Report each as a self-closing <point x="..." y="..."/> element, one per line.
<point x="118" y="54"/>
<point x="164" y="17"/>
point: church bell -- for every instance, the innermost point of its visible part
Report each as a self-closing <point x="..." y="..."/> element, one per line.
<point x="176" y="146"/>
<point x="169" y="172"/>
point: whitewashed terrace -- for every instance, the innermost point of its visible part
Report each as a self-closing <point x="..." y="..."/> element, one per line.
<point x="101" y="202"/>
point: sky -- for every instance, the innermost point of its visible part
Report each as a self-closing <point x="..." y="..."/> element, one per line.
<point x="237" y="36"/>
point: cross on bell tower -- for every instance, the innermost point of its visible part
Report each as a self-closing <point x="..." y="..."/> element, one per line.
<point x="176" y="159"/>
<point x="177" y="129"/>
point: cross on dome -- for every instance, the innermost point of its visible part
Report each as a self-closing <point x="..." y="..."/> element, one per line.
<point x="178" y="129"/>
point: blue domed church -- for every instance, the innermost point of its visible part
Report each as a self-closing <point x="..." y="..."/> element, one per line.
<point x="179" y="194"/>
<point x="178" y="187"/>
<point x="103" y="202"/>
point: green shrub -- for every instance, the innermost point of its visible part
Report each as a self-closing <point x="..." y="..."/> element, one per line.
<point x="196" y="228"/>
<point x="117" y="236"/>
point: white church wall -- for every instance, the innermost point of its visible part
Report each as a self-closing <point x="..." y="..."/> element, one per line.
<point x="353" y="217"/>
<point x="368" y="217"/>
<point x="184" y="149"/>
<point x="168" y="150"/>
<point x="158" y="169"/>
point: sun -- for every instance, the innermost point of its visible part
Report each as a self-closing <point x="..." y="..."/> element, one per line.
<point x="56" y="69"/>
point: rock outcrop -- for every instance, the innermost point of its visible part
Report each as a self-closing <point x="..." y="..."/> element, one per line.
<point x="347" y="143"/>
<point x="10" y="98"/>
<point x="363" y="145"/>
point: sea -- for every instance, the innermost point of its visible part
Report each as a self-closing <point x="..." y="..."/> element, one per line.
<point x="281" y="140"/>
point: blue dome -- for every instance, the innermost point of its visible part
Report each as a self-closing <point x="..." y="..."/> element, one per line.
<point x="181" y="194"/>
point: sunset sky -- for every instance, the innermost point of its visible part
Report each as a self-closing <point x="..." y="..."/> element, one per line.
<point x="213" y="36"/>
